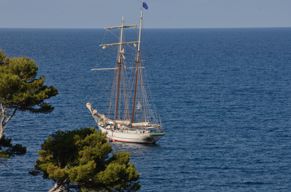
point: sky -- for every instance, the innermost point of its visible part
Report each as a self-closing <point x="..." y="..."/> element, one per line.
<point x="161" y="13"/>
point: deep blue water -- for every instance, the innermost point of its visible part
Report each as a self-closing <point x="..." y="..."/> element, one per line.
<point x="224" y="96"/>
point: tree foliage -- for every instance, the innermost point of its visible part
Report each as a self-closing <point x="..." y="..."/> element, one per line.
<point x="84" y="157"/>
<point x="19" y="86"/>
<point x="21" y="89"/>
<point x="7" y="149"/>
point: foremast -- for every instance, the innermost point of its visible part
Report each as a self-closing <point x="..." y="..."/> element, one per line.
<point x="119" y="68"/>
<point x="119" y="61"/>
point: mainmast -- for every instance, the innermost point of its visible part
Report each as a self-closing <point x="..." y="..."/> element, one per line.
<point x="138" y="65"/>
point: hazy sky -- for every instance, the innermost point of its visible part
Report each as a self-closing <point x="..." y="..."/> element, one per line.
<point x="161" y="13"/>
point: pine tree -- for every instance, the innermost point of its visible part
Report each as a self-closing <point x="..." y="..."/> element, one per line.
<point x="84" y="158"/>
<point x="21" y="89"/>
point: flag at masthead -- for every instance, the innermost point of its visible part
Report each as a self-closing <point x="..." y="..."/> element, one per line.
<point x="144" y="5"/>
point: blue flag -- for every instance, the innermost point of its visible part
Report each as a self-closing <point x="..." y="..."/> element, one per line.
<point x="144" y="5"/>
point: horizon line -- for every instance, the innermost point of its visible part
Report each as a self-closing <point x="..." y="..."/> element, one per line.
<point x="99" y="28"/>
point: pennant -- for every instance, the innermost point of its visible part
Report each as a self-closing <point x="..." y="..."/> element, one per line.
<point x="144" y="5"/>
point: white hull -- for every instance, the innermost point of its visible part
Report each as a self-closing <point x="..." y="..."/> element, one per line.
<point x="119" y="131"/>
<point x="132" y="135"/>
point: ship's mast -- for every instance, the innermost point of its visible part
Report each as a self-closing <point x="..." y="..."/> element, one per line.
<point x="120" y="59"/>
<point x="119" y="68"/>
<point x="138" y="65"/>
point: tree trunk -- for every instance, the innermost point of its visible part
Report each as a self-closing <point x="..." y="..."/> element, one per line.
<point x="59" y="187"/>
<point x="5" y="117"/>
<point x="2" y="120"/>
<point x="1" y="131"/>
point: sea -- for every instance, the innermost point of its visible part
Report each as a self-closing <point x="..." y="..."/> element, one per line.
<point x="223" y="95"/>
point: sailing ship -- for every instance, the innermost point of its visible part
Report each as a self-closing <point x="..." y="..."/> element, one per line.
<point x="130" y="116"/>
